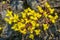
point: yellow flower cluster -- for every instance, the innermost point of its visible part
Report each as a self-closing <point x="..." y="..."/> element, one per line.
<point x="11" y="18"/>
<point x="48" y="15"/>
<point x="31" y="14"/>
<point x="28" y="21"/>
<point x="49" y="8"/>
<point x="29" y="18"/>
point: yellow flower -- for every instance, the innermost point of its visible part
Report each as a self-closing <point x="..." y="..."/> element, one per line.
<point x="33" y="23"/>
<point x="40" y="9"/>
<point x="29" y="9"/>
<point x="50" y="16"/>
<point x="29" y="28"/>
<point x="22" y="20"/>
<point x="38" y="15"/>
<point x="31" y="36"/>
<point x="9" y="13"/>
<point x="35" y="15"/>
<point x="31" y="17"/>
<point x="47" y="5"/>
<point x="26" y="10"/>
<point x="23" y="31"/>
<point x="33" y="11"/>
<point x="29" y="13"/>
<point x="14" y="26"/>
<point x="51" y="11"/>
<point x="45" y="26"/>
<point x="27" y="21"/>
<point x="16" y="29"/>
<point x="33" y="27"/>
<point x="37" y="25"/>
<point x="56" y="16"/>
<point x="45" y="14"/>
<point x="24" y="15"/>
<point x="31" y="31"/>
<point x="9" y="20"/>
<point x="21" y="25"/>
<point x="53" y="20"/>
<point x="37" y="31"/>
<point x="35" y="18"/>
<point x="15" y="18"/>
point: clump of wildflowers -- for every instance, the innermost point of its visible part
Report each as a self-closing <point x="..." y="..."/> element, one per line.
<point x="28" y="23"/>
